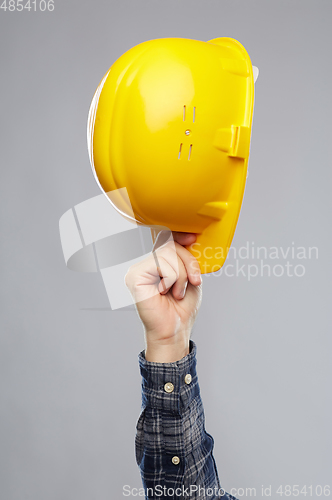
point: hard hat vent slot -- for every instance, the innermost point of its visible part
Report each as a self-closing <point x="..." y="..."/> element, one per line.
<point x="190" y="151"/>
<point x="184" y="114"/>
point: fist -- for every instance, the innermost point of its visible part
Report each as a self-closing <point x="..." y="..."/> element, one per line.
<point x="167" y="290"/>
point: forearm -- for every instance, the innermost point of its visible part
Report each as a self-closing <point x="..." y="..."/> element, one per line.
<point x="173" y="450"/>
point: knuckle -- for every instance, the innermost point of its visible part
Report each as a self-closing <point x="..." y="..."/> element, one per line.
<point x="127" y="279"/>
<point x="167" y="254"/>
<point x="163" y="251"/>
<point x="130" y="276"/>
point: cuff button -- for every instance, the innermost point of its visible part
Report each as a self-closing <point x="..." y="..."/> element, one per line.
<point x="169" y="387"/>
<point x="176" y="460"/>
<point x="188" y="378"/>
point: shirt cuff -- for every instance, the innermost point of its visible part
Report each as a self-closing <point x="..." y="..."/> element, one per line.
<point x="169" y="386"/>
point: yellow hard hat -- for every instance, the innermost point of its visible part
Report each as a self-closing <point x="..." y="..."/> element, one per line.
<point x="171" y="122"/>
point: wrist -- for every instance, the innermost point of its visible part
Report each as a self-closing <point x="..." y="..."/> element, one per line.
<point x="167" y="350"/>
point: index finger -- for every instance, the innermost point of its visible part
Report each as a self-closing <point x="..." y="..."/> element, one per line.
<point x="177" y="236"/>
<point x="180" y="240"/>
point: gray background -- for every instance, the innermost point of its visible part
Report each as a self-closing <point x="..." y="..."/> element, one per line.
<point x="70" y="385"/>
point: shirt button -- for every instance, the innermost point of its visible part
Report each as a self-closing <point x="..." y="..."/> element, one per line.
<point x="169" y="387"/>
<point x="176" y="460"/>
<point x="187" y="378"/>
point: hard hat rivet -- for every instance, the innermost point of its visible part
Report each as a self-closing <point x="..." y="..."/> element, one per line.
<point x="187" y="132"/>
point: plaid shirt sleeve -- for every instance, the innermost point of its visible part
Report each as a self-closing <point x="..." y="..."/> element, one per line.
<point x="173" y="450"/>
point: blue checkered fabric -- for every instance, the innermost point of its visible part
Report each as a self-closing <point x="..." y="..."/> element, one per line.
<point x="171" y="424"/>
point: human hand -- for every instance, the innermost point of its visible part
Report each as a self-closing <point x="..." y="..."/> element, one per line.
<point x="167" y="290"/>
